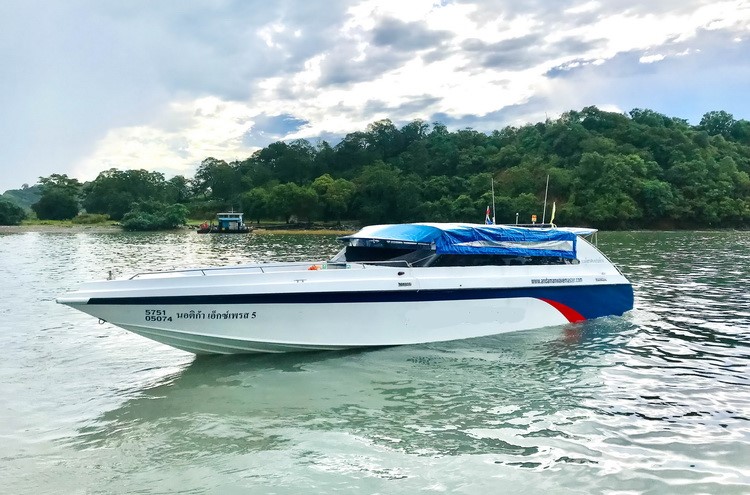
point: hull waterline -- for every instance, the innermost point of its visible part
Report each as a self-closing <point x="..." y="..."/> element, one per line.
<point x="290" y="307"/>
<point x="249" y="323"/>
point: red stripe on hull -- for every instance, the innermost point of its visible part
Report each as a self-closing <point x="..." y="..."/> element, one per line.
<point x="571" y="314"/>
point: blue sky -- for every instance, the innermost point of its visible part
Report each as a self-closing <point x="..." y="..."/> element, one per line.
<point x="88" y="85"/>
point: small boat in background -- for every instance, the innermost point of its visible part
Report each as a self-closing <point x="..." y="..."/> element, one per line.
<point x="226" y="223"/>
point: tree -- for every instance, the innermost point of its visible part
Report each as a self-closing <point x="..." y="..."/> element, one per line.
<point x="114" y="192"/>
<point x="516" y="180"/>
<point x="384" y="139"/>
<point x="56" y="204"/>
<point x="464" y="209"/>
<point x="657" y="199"/>
<point x="59" y="199"/>
<point x="24" y="197"/>
<point x="599" y="121"/>
<point x="351" y="154"/>
<point x="414" y="131"/>
<point x="10" y="213"/>
<point x="378" y="195"/>
<point x="606" y="169"/>
<point x="60" y="182"/>
<point x="717" y="122"/>
<point x="741" y="131"/>
<point x="442" y="150"/>
<point x="177" y="190"/>
<point x="254" y="172"/>
<point x="526" y="205"/>
<point x="155" y="215"/>
<point x="437" y="211"/>
<point x="437" y="187"/>
<point x="255" y="203"/>
<point x="648" y="117"/>
<point x="607" y="186"/>
<point x="292" y="162"/>
<point x="290" y="199"/>
<point x="334" y="195"/>
<point x="217" y="179"/>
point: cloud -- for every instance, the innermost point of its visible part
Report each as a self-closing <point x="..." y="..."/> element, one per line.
<point x="414" y="105"/>
<point x="649" y="59"/>
<point x="81" y="72"/>
<point x="87" y="84"/>
<point x="677" y="85"/>
<point x="407" y="36"/>
<point x="271" y="128"/>
<point x="511" y="54"/>
<point x="345" y="65"/>
<point x="365" y="52"/>
<point x="183" y="135"/>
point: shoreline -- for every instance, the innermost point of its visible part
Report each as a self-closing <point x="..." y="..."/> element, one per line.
<point x="59" y="229"/>
<point x="113" y="229"/>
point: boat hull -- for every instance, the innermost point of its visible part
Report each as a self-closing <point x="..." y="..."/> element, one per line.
<point x="288" y="322"/>
<point x="216" y="231"/>
<point x="283" y="307"/>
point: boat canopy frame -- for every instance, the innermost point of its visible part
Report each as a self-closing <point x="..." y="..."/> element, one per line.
<point x="468" y="239"/>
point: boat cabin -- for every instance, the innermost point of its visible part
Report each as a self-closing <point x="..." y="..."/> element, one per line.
<point x="442" y="245"/>
<point x="226" y="223"/>
<point x="229" y="221"/>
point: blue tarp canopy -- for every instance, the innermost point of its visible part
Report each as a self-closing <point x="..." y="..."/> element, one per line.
<point x="454" y="238"/>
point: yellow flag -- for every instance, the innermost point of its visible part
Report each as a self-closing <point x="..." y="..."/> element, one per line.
<point x="552" y="218"/>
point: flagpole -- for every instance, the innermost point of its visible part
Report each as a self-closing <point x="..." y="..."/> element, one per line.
<point x="493" y="201"/>
<point x="552" y="216"/>
<point x="544" y="211"/>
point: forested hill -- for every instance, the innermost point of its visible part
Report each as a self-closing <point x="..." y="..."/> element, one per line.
<point x="24" y="197"/>
<point x="606" y="170"/>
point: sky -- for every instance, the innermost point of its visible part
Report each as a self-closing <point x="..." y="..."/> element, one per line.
<point x="89" y="85"/>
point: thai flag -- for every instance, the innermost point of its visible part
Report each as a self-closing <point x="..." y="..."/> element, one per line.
<point x="487" y="219"/>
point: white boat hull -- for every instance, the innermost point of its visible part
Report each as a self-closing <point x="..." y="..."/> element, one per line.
<point x="287" y="307"/>
<point x="304" y="327"/>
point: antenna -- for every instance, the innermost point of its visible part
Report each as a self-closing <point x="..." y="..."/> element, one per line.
<point x="544" y="211"/>
<point x="493" y="201"/>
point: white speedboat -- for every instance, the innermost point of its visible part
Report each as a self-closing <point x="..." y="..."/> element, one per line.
<point x="389" y="285"/>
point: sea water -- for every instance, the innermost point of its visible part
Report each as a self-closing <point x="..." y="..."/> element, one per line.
<point x="656" y="402"/>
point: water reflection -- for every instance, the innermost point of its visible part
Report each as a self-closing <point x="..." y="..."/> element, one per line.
<point x="658" y="401"/>
<point x="482" y="396"/>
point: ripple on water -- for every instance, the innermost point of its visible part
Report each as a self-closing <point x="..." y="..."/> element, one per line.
<point x="656" y="402"/>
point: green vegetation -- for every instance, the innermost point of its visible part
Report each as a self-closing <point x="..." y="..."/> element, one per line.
<point x="90" y="219"/>
<point x="10" y="213"/>
<point x="606" y="169"/>
<point x="24" y="197"/>
<point x="116" y="192"/>
<point x="153" y="215"/>
<point x="59" y="200"/>
<point x="67" y="224"/>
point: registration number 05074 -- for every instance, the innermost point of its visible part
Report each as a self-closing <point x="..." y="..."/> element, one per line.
<point x="157" y="315"/>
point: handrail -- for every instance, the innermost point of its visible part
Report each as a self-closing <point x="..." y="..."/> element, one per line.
<point x="385" y="263"/>
<point x="221" y="268"/>
<point x="139" y="274"/>
<point x="272" y="267"/>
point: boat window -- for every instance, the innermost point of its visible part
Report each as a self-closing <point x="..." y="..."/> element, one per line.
<point x="400" y="256"/>
<point x="497" y="260"/>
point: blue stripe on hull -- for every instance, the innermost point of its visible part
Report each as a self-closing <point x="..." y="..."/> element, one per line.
<point x="591" y="301"/>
